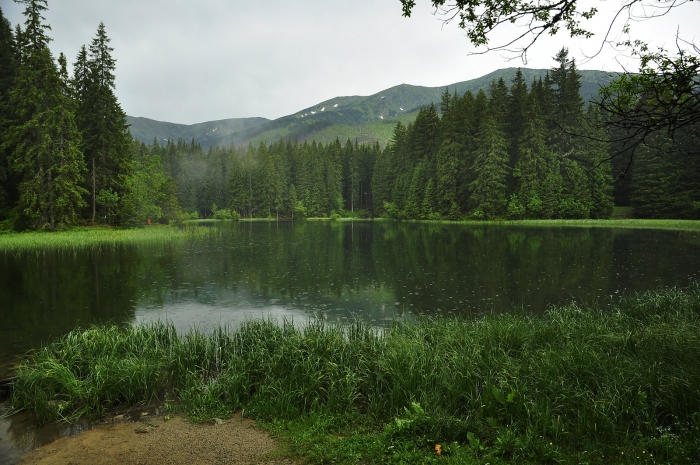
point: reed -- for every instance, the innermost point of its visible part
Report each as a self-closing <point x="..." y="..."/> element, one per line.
<point x="80" y="238"/>
<point x="577" y="383"/>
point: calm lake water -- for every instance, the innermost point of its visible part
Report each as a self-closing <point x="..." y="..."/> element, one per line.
<point x="336" y="271"/>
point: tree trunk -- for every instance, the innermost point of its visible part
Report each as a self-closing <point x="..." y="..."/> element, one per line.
<point x="94" y="194"/>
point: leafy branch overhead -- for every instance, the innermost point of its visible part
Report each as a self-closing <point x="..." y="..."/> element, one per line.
<point x="663" y="98"/>
<point x="659" y="100"/>
<point x="480" y="18"/>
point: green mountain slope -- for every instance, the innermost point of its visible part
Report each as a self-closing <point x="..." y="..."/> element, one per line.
<point x="210" y="133"/>
<point x="363" y="118"/>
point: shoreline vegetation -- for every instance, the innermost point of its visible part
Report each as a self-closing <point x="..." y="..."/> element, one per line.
<point x="577" y="384"/>
<point x="86" y="236"/>
<point x="82" y="237"/>
<point x="683" y="225"/>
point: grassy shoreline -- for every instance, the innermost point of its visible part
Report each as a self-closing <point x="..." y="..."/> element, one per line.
<point x="627" y="223"/>
<point x="78" y="238"/>
<point x="576" y="385"/>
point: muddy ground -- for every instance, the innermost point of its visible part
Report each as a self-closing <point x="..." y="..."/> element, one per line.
<point x="153" y="439"/>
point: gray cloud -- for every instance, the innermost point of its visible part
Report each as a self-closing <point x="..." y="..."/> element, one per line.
<point x="187" y="62"/>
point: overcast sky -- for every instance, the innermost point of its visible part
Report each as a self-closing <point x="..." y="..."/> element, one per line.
<point x="188" y="62"/>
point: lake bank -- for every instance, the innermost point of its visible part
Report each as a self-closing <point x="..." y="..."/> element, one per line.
<point x="627" y="223"/>
<point x="574" y="383"/>
<point x="81" y="237"/>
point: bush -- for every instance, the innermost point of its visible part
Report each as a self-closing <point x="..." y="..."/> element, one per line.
<point x="477" y="215"/>
<point x="226" y="214"/>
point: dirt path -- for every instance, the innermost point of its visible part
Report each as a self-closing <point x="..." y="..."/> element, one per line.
<point x="154" y="440"/>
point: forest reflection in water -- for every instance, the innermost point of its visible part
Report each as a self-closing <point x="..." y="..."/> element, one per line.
<point x="338" y="271"/>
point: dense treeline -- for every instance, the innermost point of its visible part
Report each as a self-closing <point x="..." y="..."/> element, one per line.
<point x="502" y="155"/>
<point x="516" y="151"/>
<point x="66" y="154"/>
<point x="662" y="179"/>
<point x="280" y="179"/>
<point x="505" y="154"/>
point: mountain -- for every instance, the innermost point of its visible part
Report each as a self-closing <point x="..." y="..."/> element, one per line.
<point x="362" y="118"/>
<point x="210" y="133"/>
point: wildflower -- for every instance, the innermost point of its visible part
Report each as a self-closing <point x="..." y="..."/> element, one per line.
<point x="438" y="449"/>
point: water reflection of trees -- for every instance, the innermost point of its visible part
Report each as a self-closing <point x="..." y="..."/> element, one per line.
<point x="48" y="293"/>
<point x="423" y="267"/>
<point x="381" y="269"/>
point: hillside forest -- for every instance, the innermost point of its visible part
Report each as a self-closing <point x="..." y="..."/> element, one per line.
<point x="513" y="151"/>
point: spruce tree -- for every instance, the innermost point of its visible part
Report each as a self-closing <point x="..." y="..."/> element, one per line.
<point x="429" y="205"/>
<point x="447" y="167"/>
<point x="42" y="134"/>
<point x="533" y="164"/>
<point x="382" y="184"/>
<point x="101" y="120"/>
<point x="567" y="120"/>
<point x="598" y="166"/>
<point x="517" y="107"/>
<point x="488" y="190"/>
<point x="8" y="72"/>
<point x="414" y="199"/>
<point x="445" y="102"/>
<point x="333" y="176"/>
<point x="498" y="101"/>
<point x="447" y="159"/>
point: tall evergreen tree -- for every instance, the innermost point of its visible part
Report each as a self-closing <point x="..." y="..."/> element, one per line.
<point x="532" y="164"/>
<point x="448" y="158"/>
<point x="101" y="120"/>
<point x="517" y="108"/>
<point x="8" y="72"/>
<point x="42" y="134"/>
<point x="491" y="170"/>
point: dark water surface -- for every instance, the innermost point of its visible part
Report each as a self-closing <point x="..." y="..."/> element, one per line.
<point x="337" y="271"/>
<point x="332" y="270"/>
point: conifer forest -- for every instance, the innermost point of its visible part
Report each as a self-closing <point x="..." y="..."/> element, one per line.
<point x="518" y="150"/>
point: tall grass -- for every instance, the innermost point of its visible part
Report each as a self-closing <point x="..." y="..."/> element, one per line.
<point x="525" y="388"/>
<point x="79" y="238"/>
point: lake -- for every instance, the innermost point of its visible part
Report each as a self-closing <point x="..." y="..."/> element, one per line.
<point x="337" y="271"/>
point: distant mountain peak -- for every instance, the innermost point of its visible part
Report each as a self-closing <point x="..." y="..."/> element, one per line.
<point x="359" y="118"/>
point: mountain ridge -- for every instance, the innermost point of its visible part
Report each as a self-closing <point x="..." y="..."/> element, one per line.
<point x="367" y="119"/>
